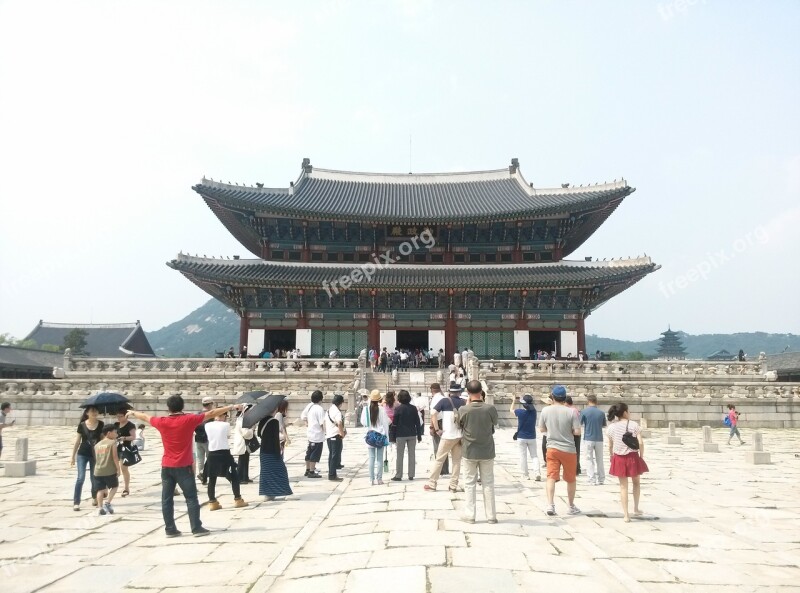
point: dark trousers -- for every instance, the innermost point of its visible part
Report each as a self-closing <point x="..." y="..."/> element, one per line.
<point x="183" y="477"/>
<point x="243" y="467"/>
<point x="212" y="485"/>
<point x="335" y="446"/>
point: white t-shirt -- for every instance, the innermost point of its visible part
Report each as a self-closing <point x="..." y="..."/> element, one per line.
<point x="435" y="399"/>
<point x="422" y="403"/>
<point x="217" y="432"/>
<point x="615" y="432"/>
<point x="316" y="418"/>
<point x="332" y="418"/>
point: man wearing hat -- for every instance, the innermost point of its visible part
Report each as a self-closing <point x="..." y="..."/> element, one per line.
<point x="450" y="442"/>
<point x="201" y="441"/>
<point x="477" y="421"/>
<point x="560" y="424"/>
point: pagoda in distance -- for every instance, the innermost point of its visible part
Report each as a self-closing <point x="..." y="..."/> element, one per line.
<point x="670" y="346"/>
<point x="349" y="260"/>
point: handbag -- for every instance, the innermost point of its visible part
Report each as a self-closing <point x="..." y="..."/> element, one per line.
<point x="514" y="436"/>
<point x="129" y="455"/>
<point x="252" y="444"/>
<point x="630" y="441"/>
<point x="373" y="438"/>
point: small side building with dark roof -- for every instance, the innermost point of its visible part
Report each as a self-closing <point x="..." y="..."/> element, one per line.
<point x="28" y="363"/>
<point x="103" y="340"/>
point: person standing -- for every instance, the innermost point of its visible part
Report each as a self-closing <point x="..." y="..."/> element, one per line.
<point x="274" y="479"/>
<point x="90" y="431"/>
<point x="5" y="410"/>
<point x="280" y="416"/>
<point x="626" y="462"/>
<point x="176" y="431"/>
<point x="334" y="436"/>
<point x="526" y="435"/>
<point x="577" y="437"/>
<point x="126" y="437"/>
<point x="220" y="463"/>
<point x="733" y="419"/>
<point x="408" y="433"/>
<point x="560" y="424"/>
<point x="374" y="418"/>
<point x="436" y="427"/>
<point x="106" y="469"/>
<point x="477" y="421"/>
<point x="450" y="443"/>
<point x="240" y="437"/>
<point x="360" y="407"/>
<point x="315" y="417"/>
<point x="201" y="440"/>
<point x="593" y="421"/>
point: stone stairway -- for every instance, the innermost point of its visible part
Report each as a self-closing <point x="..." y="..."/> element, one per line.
<point x="413" y="380"/>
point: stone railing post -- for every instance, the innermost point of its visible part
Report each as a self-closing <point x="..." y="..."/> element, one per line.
<point x="708" y="445"/>
<point x="757" y="456"/>
<point x="672" y="438"/>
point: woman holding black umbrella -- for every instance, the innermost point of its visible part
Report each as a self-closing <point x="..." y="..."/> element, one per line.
<point x="274" y="479"/>
<point x="90" y="431"/>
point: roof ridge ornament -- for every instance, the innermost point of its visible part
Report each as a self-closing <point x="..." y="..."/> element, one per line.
<point x="514" y="167"/>
<point x="307" y="168"/>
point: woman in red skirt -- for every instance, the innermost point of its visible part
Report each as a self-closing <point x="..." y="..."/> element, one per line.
<point x="626" y="458"/>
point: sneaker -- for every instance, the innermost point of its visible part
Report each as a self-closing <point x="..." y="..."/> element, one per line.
<point x="214" y="505"/>
<point x="396" y="479"/>
<point x="456" y="489"/>
<point x="335" y="479"/>
<point x="108" y="508"/>
<point x="573" y="510"/>
<point x="468" y="520"/>
<point x="538" y="478"/>
<point x="551" y="510"/>
<point x="201" y="532"/>
<point x="741" y="443"/>
<point x="339" y="467"/>
<point x="269" y="498"/>
<point x="492" y="521"/>
<point x="101" y="511"/>
<point x="526" y="477"/>
<point x="239" y="503"/>
<point x="173" y="533"/>
<point x="76" y="507"/>
<point x="313" y="475"/>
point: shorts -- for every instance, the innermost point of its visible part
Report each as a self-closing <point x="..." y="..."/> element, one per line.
<point x="559" y="459"/>
<point x="106" y="482"/>
<point x="314" y="452"/>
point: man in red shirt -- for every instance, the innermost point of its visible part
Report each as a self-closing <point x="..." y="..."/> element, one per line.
<point x="177" y="432"/>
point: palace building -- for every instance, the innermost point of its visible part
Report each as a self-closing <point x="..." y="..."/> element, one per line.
<point x="347" y="261"/>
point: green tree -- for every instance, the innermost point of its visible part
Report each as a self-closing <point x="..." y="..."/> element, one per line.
<point x="637" y="355"/>
<point x="51" y="348"/>
<point x="76" y="341"/>
<point x="7" y="340"/>
<point x="29" y="344"/>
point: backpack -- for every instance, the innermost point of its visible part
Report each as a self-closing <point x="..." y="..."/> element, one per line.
<point x="726" y="421"/>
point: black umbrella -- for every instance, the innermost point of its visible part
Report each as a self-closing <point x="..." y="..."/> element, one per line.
<point x="107" y="402"/>
<point x="263" y="408"/>
<point x="251" y="397"/>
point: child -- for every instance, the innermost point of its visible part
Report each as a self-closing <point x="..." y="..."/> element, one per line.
<point x="733" y="417"/>
<point x="106" y="469"/>
<point x="139" y="440"/>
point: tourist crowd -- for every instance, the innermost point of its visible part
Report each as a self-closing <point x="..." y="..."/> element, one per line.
<point x="460" y="423"/>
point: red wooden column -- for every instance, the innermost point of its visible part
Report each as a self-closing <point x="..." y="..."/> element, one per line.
<point x="373" y="328"/>
<point x="244" y="325"/>
<point x="582" y="336"/>
<point x="450" y="331"/>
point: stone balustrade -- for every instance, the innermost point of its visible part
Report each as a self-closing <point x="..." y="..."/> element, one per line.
<point x="619" y="370"/>
<point x="195" y="367"/>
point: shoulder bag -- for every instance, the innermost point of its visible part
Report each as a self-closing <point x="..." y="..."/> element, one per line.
<point x="129" y="455"/>
<point x="373" y="438"/>
<point x="630" y="441"/>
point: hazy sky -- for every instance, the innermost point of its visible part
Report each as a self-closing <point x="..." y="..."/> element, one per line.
<point x="110" y="111"/>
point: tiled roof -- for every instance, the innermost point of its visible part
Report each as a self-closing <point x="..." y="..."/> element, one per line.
<point x="102" y="340"/>
<point x="13" y="357"/>
<point x="506" y="276"/>
<point x="436" y="198"/>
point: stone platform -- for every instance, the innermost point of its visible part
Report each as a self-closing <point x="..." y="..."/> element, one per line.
<point x="713" y="523"/>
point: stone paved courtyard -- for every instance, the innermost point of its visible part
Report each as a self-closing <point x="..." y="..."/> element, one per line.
<point x="713" y="521"/>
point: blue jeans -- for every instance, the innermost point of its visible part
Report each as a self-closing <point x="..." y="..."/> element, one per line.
<point x="82" y="461"/>
<point x="375" y="463"/>
<point x="183" y="477"/>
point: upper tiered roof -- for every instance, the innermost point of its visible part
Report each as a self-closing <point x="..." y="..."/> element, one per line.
<point x="427" y="198"/>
